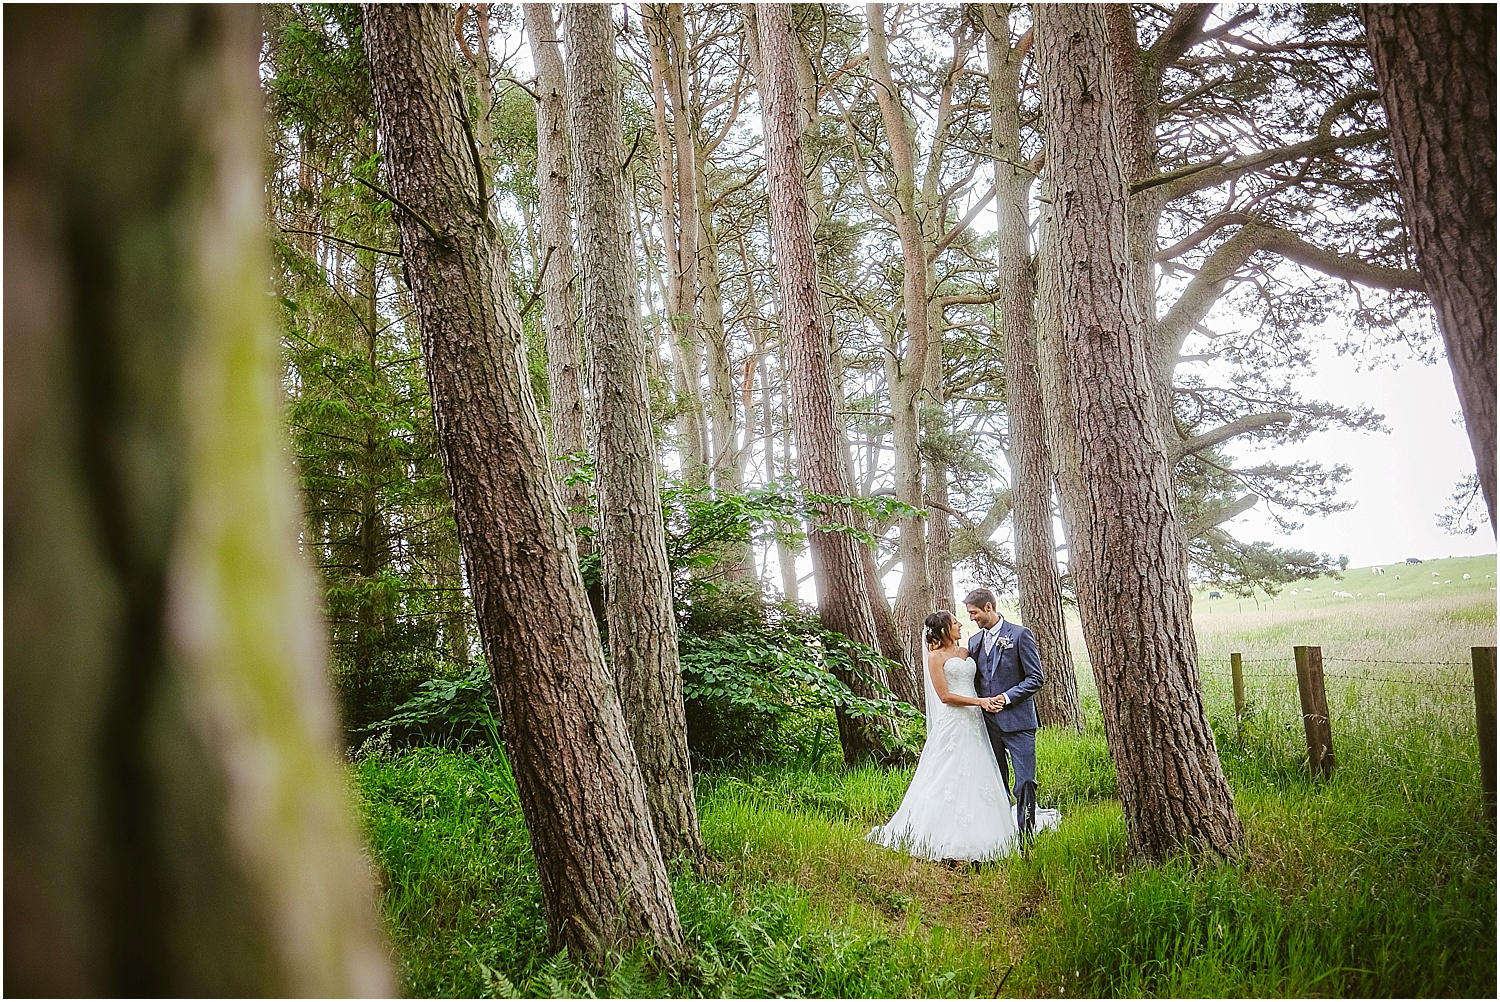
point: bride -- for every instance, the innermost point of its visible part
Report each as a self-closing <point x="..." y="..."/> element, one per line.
<point x="957" y="806"/>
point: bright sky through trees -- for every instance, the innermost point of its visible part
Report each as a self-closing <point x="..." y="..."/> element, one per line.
<point x="1399" y="482"/>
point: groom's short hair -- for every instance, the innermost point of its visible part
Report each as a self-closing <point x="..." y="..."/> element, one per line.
<point x="980" y="597"/>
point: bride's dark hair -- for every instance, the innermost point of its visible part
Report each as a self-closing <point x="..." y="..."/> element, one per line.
<point x="937" y="628"/>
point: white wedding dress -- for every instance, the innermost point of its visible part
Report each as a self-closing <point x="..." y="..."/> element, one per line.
<point x="956" y="806"/>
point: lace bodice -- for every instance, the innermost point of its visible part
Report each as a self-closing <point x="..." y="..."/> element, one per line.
<point x="960" y="675"/>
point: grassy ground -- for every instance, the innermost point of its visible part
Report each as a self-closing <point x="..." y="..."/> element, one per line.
<point x="1380" y="881"/>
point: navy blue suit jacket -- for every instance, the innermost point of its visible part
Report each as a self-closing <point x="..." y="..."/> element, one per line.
<point x="1016" y="671"/>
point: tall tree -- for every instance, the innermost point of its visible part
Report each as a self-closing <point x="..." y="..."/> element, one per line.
<point x="637" y="580"/>
<point x="603" y="881"/>
<point x="559" y="274"/>
<point x="1126" y="547"/>
<point x="667" y="35"/>
<point x="843" y="602"/>
<point x="1249" y="183"/>
<point x="379" y="520"/>
<point x="176" y="820"/>
<point x="906" y="371"/>
<point x="1436" y="67"/>
<point x="1031" y="475"/>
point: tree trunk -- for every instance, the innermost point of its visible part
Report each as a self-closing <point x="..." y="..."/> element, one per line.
<point x="176" y="818"/>
<point x="1436" y="68"/>
<point x="602" y="879"/>
<point x="666" y="36"/>
<point x="1127" y="548"/>
<point x="1057" y="702"/>
<point x="905" y="370"/>
<point x="843" y="604"/>
<point x="632" y="535"/>
<point x="559" y="275"/>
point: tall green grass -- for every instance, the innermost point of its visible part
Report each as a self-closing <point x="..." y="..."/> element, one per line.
<point x="1378" y="881"/>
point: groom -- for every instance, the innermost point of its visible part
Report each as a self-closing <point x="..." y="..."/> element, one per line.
<point x="1009" y="670"/>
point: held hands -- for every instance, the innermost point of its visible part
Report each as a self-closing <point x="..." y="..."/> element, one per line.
<point x="990" y="704"/>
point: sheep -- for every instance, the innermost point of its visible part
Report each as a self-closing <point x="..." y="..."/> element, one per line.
<point x="1466" y="577"/>
<point x="1398" y="577"/>
<point x="1342" y="594"/>
<point x="1434" y="573"/>
<point x="1380" y="594"/>
<point x="1377" y="570"/>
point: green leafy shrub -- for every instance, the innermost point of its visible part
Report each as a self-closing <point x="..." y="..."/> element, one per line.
<point x="457" y="712"/>
<point x="757" y="684"/>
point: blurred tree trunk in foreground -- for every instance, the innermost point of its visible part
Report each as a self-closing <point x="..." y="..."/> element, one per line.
<point x="176" y="819"/>
<point x="1436" y="67"/>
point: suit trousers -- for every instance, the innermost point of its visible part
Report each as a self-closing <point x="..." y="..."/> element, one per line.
<point x="1016" y="749"/>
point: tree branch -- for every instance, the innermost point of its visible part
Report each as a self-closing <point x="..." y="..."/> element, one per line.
<point x="973" y="299"/>
<point x="1179" y="35"/>
<point x="1213" y="225"/>
<point x="536" y="288"/>
<point x="961" y="225"/>
<point x="1206" y="287"/>
<point x="1225" y="432"/>
<point x="1195" y="177"/>
<point x="1218" y="516"/>
<point x="1335" y="265"/>
<point x="432" y="230"/>
<point x="341" y="240"/>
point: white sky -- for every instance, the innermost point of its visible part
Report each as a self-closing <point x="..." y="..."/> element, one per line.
<point x="1400" y="482"/>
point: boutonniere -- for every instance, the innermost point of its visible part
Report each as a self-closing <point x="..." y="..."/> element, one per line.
<point x="1004" y="643"/>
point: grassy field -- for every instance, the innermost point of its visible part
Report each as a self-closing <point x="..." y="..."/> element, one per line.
<point x="1380" y="881"/>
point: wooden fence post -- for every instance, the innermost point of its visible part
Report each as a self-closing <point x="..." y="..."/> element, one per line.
<point x="1484" y="718"/>
<point x="1314" y="710"/>
<point x="1237" y="669"/>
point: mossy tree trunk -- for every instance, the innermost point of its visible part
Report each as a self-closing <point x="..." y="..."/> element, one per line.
<point x="176" y="818"/>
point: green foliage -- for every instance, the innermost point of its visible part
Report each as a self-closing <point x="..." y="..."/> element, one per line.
<point x="703" y="526"/>
<point x="1247" y="568"/>
<point x="379" y="523"/>
<point x="452" y="712"/>
<point x="757" y="683"/>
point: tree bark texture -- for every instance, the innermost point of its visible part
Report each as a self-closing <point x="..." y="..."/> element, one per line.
<point x="843" y="603"/>
<point x="632" y="541"/>
<point x="906" y="369"/>
<point x="559" y="273"/>
<point x="1127" y="554"/>
<point x="176" y="816"/>
<point x="1041" y="602"/>
<point x="602" y="878"/>
<point x="1436" y="68"/>
<point x="666" y="34"/>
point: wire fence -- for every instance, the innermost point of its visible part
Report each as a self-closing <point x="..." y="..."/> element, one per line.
<point x="1431" y="723"/>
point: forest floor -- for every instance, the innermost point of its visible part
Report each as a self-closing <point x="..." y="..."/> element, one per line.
<point x="1380" y="881"/>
